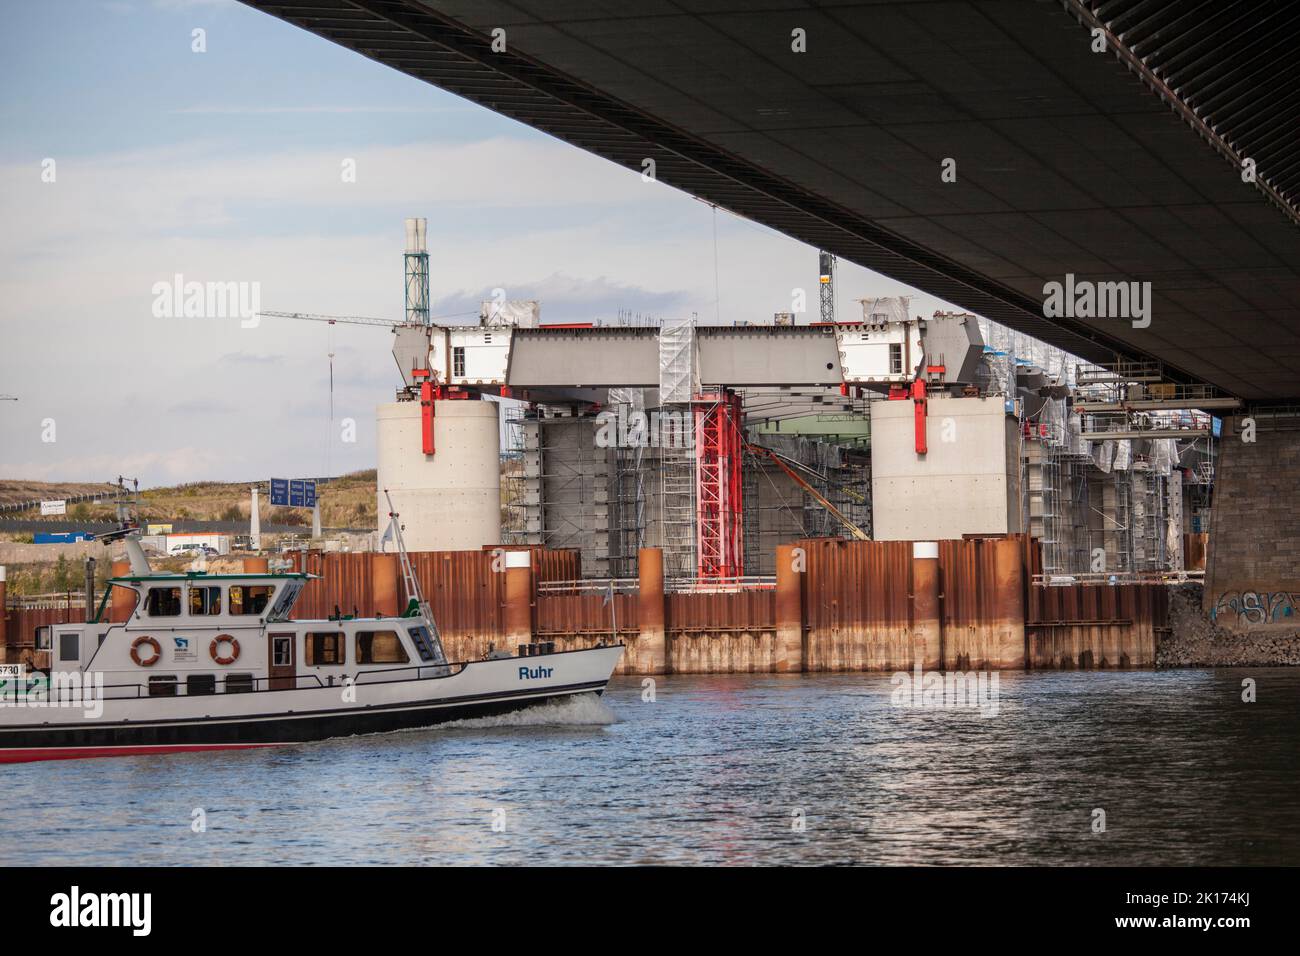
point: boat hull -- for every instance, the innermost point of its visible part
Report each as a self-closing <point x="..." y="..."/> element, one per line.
<point x="277" y="718"/>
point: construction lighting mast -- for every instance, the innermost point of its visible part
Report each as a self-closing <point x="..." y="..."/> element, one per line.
<point x="417" y="273"/>
<point x="827" y="283"/>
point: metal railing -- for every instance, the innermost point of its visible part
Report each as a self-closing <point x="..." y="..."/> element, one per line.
<point x="51" y="691"/>
<point x="590" y="586"/>
<point x="751" y="582"/>
<point x="1117" y="577"/>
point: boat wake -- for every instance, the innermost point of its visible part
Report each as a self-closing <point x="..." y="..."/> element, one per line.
<point x="580" y="710"/>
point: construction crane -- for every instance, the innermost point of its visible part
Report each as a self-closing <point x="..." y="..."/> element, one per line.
<point x="798" y="480"/>
<point x="826" y="280"/>
<point x="352" y="319"/>
<point x="332" y="319"/>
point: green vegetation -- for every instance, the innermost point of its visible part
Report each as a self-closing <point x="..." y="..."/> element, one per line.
<point x="346" y="502"/>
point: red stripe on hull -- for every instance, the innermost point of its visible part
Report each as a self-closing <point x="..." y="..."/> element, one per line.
<point x="30" y="754"/>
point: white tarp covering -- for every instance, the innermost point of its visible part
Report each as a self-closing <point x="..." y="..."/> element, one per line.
<point x="1123" y="455"/>
<point x="516" y="313"/>
<point x="885" y="309"/>
<point x="677" y="364"/>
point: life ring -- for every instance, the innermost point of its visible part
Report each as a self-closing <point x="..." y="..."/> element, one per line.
<point x="224" y="639"/>
<point x="135" y="651"/>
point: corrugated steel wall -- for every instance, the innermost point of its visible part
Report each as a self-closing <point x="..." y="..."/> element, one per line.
<point x="584" y="613"/>
<point x="857" y="604"/>
<point x="20" y="632"/>
<point x="1096" y="625"/>
<point x="856" y="597"/>
<point x="720" y="632"/>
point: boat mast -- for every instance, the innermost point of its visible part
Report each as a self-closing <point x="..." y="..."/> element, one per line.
<point x="409" y="579"/>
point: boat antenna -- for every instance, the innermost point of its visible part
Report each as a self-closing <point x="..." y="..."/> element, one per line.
<point x="408" y="576"/>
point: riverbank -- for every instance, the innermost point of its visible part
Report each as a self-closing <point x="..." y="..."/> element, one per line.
<point x="1196" y="641"/>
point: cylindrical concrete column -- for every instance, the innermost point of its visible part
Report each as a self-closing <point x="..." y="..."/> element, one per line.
<point x="123" y="600"/>
<point x="789" y="609"/>
<point x="257" y="565"/>
<point x="927" y="624"/>
<point x="519" y="598"/>
<point x="383" y="584"/>
<point x="652" y="639"/>
<point x="1008" y="605"/>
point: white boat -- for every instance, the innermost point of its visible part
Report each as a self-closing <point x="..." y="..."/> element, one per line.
<point x="214" y="662"/>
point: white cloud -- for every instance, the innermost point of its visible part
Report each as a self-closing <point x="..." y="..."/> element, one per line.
<point x="133" y="394"/>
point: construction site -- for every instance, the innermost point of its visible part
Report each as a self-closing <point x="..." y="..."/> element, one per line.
<point x="981" y="496"/>
<point x="716" y="444"/>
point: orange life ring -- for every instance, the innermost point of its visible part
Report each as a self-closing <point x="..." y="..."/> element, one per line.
<point x="135" y="651"/>
<point x="234" y="649"/>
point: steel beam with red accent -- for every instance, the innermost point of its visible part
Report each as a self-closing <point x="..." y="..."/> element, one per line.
<point x="920" y="408"/>
<point x="422" y="376"/>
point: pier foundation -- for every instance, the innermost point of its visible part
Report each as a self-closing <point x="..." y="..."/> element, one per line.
<point x="519" y="598"/>
<point x="790" y="564"/>
<point x="927" y="623"/>
<point x="651" y="642"/>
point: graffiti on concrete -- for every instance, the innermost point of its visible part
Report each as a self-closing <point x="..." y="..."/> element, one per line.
<point x="1256" y="608"/>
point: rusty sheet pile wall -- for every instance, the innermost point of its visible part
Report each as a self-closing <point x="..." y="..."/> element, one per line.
<point x="1096" y="625"/>
<point x="857" y="604"/>
<point x="18" y="644"/>
<point x="727" y="632"/>
<point x="584" y="613"/>
<point x="836" y="605"/>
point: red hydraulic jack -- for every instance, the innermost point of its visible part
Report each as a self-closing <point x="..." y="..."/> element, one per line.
<point x="914" y="390"/>
<point x="429" y="394"/>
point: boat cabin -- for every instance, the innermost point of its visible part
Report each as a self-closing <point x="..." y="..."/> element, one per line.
<point x="199" y="633"/>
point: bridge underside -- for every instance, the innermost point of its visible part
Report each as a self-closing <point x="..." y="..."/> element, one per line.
<point x="1066" y="160"/>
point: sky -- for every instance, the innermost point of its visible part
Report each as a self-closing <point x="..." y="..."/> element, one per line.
<point x="128" y="158"/>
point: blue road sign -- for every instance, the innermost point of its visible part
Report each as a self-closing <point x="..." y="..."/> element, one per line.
<point x="302" y="493"/>
<point x="279" y="491"/>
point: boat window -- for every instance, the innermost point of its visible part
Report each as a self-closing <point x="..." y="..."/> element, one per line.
<point x="204" y="601"/>
<point x="380" y="647"/>
<point x="162" y="685"/>
<point x="197" y="684"/>
<point x="288" y="594"/>
<point x="250" y="598"/>
<point x="68" y="647"/>
<point x="163" y="602"/>
<point x="323" y="647"/>
<point x="282" y="651"/>
<point x="239" y="683"/>
<point x="423" y="643"/>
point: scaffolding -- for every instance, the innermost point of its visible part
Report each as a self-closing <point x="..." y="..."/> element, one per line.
<point x="568" y="479"/>
<point x="678" y="385"/>
<point x="514" y="487"/>
<point x="627" y="498"/>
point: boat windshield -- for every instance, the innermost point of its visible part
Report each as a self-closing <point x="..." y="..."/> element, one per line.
<point x="284" y="603"/>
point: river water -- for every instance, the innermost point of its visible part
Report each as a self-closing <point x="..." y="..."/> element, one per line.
<point x="800" y="769"/>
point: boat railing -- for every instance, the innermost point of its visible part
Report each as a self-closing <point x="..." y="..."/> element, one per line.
<point x="75" y="689"/>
